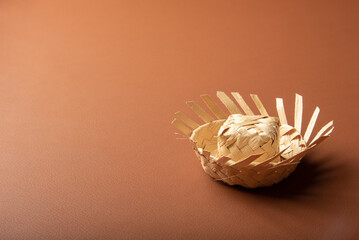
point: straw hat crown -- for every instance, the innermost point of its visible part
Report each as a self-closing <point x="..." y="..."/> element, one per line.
<point x="241" y="136"/>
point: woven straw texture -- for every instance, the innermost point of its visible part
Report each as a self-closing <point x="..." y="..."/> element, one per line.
<point x="245" y="149"/>
<point x="242" y="136"/>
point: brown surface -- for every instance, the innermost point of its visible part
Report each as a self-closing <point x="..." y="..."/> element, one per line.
<point x="88" y="90"/>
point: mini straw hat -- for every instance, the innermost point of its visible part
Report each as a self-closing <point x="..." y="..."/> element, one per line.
<point x="247" y="149"/>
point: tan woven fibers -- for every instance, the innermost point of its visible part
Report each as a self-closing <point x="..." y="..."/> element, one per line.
<point x="241" y="136"/>
<point x="246" y="149"/>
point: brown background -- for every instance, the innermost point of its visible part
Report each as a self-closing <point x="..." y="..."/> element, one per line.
<point x="88" y="91"/>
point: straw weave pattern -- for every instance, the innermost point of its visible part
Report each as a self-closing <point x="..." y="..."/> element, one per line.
<point x="247" y="149"/>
